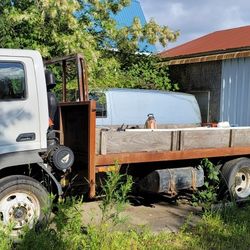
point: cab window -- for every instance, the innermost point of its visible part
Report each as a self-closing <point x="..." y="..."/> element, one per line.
<point x="12" y="81"/>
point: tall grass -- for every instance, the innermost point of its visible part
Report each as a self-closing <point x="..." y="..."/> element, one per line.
<point x="5" y="240"/>
<point x="228" y="228"/>
<point x="225" y="229"/>
<point x="115" y="191"/>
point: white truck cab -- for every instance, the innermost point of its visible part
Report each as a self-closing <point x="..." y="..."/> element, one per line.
<point x="23" y="106"/>
<point x="31" y="158"/>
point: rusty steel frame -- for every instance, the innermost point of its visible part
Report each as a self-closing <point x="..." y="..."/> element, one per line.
<point x="142" y="157"/>
<point x="91" y="140"/>
<point x="64" y="80"/>
<point x="91" y="148"/>
<point x="82" y="77"/>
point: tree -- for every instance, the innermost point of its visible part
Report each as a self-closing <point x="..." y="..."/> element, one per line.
<point x="137" y="70"/>
<point x="60" y="27"/>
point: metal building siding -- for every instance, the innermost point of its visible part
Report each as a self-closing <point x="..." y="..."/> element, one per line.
<point x="235" y="92"/>
<point x="126" y="16"/>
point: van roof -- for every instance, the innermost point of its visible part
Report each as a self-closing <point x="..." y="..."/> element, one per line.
<point x="147" y="91"/>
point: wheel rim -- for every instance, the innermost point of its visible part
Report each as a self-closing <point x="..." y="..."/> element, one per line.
<point x="21" y="208"/>
<point x="242" y="182"/>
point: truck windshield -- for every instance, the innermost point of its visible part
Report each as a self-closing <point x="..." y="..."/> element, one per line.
<point x="12" y="81"/>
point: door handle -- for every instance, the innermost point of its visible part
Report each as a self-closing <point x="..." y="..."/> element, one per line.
<point x="26" y="137"/>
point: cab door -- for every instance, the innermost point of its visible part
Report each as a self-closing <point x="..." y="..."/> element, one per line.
<point x="19" y="110"/>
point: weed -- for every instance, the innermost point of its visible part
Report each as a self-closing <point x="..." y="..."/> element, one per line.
<point x="228" y="228"/>
<point x="5" y="239"/>
<point x="225" y="229"/>
<point x="207" y="195"/>
<point x="60" y="232"/>
<point x="115" y="190"/>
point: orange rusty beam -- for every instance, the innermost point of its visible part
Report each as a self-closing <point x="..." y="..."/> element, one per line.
<point x="140" y="157"/>
<point x="91" y="147"/>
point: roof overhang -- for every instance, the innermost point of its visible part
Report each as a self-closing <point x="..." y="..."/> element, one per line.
<point x="207" y="58"/>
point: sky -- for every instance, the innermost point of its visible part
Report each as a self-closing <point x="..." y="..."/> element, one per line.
<point x="195" y="18"/>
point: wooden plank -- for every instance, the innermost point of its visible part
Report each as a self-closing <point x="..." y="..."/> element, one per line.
<point x="103" y="143"/>
<point x="174" y="140"/>
<point x="183" y="129"/>
<point x="232" y="137"/>
<point x="98" y="141"/>
<point x="241" y="137"/>
<point x="207" y="138"/>
<point x="140" y="157"/>
<point x="122" y="141"/>
<point x="146" y="140"/>
<point x="181" y="140"/>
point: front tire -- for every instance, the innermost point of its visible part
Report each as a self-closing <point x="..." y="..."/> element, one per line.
<point x="237" y="176"/>
<point x="22" y="200"/>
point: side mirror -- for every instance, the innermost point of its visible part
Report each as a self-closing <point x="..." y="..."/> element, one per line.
<point x="50" y="79"/>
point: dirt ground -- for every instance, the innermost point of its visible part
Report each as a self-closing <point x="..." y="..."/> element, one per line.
<point x="157" y="214"/>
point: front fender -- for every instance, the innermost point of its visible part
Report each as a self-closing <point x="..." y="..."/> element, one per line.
<point x="57" y="183"/>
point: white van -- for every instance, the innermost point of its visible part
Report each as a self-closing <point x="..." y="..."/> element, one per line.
<point x="131" y="107"/>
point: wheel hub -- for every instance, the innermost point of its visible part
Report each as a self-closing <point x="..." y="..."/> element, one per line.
<point x="21" y="208"/>
<point x="20" y="213"/>
<point x="242" y="183"/>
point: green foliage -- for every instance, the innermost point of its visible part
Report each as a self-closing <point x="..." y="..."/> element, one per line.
<point x="225" y="229"/>
<point x="142" y="71"/>
<point x="149" y="74"/>
<point x="208" y="193"/>
<point x="57" y="28"/>
<point x="5" y="239"/>
<point x="228" y="228"/>
<point x="48" y="26"/>
<point x="108" y="35"/>
<point x="115" y="190"/>
<point x="65" y="230"/>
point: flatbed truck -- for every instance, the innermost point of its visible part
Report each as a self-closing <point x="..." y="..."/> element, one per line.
<point x="37" y="159"/>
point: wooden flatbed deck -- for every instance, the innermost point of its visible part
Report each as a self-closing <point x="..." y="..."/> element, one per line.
<point x="96" y="149"/>
<point x="132" y="146"/>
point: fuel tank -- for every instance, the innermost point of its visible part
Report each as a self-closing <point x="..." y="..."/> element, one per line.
<point x="172" y="180"/>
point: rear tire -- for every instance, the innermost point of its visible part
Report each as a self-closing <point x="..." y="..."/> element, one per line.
<point x="22" y="200"/>
<point x="237" y="176"/>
